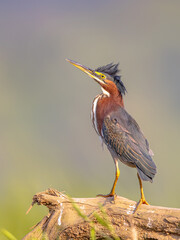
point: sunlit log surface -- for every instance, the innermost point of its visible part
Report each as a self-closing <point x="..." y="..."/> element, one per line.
<point x="63" y="221"/>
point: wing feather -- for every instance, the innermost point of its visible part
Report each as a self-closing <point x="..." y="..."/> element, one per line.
<point x="122" y="134"/>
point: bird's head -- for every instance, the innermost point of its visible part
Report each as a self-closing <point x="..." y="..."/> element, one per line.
<point x="106" y="76"/>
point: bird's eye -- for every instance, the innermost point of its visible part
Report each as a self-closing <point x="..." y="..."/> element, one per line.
<point x="103" y="76"/>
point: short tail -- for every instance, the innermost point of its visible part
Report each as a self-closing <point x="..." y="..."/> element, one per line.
<point x="146" y="168"/>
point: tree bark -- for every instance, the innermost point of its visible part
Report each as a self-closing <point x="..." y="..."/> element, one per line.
<point x="74" y="219"/>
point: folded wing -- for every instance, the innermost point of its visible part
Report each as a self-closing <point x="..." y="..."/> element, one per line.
<point x="122" y="135"/>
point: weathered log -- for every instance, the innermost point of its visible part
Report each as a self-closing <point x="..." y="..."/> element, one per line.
<point x="64" y="222"/>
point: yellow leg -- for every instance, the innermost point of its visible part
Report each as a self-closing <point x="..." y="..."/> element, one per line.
<point x="112" y="193"/>
<point x="142" y="200"/>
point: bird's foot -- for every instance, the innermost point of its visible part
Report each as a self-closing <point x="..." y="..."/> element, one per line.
<point x="141" y="201"/>
<point x="105" y="196"/>
<point x="112" y="195"/>
<point x="144" y="201"/>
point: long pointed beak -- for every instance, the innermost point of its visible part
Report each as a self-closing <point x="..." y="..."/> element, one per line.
<point x="85" y="69"/>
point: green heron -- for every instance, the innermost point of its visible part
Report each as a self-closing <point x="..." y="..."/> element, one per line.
<point x="117" y="129"/>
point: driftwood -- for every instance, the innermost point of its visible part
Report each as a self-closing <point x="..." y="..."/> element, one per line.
<point x="67" y="220"/>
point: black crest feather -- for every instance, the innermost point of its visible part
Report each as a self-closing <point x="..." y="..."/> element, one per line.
<point x="112" y="69"/>
<point x="120" y="84"/>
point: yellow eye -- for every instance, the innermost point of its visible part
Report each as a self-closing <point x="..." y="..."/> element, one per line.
<point x="103" y="76"/>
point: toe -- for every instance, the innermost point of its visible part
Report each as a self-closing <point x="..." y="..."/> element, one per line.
<point x="145" y="202"/>
<point x="105" y="196"/>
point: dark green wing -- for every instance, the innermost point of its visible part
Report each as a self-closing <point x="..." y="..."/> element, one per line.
<point x="122" y="135"/>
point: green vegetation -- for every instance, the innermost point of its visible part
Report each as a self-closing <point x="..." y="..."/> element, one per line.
<point x="7" y="234"/>
<point x="101" y="218"/>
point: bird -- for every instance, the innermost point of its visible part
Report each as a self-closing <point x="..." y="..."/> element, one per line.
<point x="117" y="128"/>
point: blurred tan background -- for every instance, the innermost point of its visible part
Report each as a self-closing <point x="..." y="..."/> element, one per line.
<point x="46" y="135"/>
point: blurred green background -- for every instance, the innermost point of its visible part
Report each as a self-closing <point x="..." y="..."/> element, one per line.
<point x="46" y="135"/>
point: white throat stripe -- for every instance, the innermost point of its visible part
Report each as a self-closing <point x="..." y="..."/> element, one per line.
<point x="105" y="92"/>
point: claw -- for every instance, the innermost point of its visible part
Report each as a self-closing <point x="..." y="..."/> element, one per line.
<point x="141" y="201"/>
<point x="107" y="195"/>
<point x="110" y="197"/>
